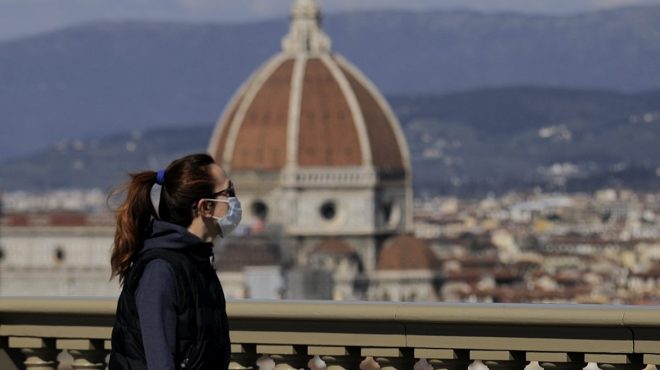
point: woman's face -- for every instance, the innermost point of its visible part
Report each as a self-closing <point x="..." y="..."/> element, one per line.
<point x="221" y="213"/>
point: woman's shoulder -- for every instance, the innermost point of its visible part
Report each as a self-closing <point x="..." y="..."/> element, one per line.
<point x="158" y="266"/>
<point x="158" y="270"/>
<point x="158" y="275"/>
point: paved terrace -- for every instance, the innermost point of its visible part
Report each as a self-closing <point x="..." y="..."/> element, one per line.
<point x="335" y="336"/>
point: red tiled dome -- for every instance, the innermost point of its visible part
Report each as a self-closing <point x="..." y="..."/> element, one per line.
<point x="241" y="252"/>
<point x="406" y="252"/>
<point x="310" y="108"/>
<point x="333" y="246"/>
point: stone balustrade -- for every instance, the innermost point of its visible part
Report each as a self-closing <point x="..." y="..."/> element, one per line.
<point x="44" y="333"/>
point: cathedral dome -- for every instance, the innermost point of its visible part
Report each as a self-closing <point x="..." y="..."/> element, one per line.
<point x="406" y="252"/>
<point x="308" y="107"/>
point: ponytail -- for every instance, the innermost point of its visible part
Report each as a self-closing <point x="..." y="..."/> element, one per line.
<point x="184" y="182"/>
<point x="133" y="217"/>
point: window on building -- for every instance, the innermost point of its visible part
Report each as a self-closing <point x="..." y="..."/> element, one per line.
<point x="328" y="210"/>
<point x="259" y="209"/>
<point x="59" y="254"/>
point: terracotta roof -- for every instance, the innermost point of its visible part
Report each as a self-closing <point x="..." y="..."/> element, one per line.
<point x="57" y="219"/>
<point x="16" y="220"/>
<point x="309" y="106"/>
<point x="261" y="140"/>
<point x="328" y="135"/>
<point x="406" y="252"/>
<point x="68" y="219"/>
<point x="467" y="275"/>
<point x="239" y="253"/>
<point x="386" y="153"/>
<point x="328" y="131"/>
<point x="333" y="246"/>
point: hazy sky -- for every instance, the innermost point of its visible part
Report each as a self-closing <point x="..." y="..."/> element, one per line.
<point x="23" y="17"/>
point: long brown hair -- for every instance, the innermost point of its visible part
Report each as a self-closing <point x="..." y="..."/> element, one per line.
<point x="186" y="181"/>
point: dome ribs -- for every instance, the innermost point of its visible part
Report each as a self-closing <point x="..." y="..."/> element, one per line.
<point x="261" y="141"/>
<point x="337" y="121"/>
<point x="218" y="151"/>
<point x="386" y="153"/>
<point x="327" y="133"/>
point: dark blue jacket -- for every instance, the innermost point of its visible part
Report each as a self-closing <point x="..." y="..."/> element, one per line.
<point x="169" y="286"/>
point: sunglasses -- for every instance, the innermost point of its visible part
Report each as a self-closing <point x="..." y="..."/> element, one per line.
<point x="227" y="192"/>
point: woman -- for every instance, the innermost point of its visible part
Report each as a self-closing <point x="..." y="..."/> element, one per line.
<point x="171" y="311"/>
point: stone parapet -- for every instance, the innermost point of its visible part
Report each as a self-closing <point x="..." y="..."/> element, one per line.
<point x="45" y="333"/>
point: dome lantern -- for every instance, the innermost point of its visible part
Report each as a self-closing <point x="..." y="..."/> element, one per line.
<point x="305" y="34"/>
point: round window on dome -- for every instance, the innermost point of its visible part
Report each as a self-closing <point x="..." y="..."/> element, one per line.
<point x="259" y="209"/>
<point x="328" y="210"/>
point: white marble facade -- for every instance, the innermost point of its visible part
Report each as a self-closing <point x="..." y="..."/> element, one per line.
<point x="56" y="261"/>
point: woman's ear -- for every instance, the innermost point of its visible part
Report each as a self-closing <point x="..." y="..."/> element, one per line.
<point x="205" y="208"/>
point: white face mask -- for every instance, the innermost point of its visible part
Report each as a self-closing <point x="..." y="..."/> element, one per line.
<point x="231" y="219"/>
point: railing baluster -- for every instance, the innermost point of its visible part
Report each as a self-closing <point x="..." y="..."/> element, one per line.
<point x="443" y="359"/>
<point x="422" y="364"/>
<point x="295" y="335"/>
<point x="501" y="360"/>
<point x="316" y="363"/>
<point x="652" y="361"/>
<point x="265" y="363"/>
<point x="616" y="361"/>
<point x="369" y="363"/>
<point x="477" y="365"/>
<point x="39" y="359"/>
<point x="86" y="353"/>
<point x="337" y="358"/>
<point x="391" y="358"/>
<point x="558" y="360"/>
<point x="40" y="353"/>
<point x="243" y="356"/>
<point x="285" y="357"/>
<point x="287" y="362"/>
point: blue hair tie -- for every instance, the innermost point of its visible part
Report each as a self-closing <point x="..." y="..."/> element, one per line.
<point x="160" y="177"/>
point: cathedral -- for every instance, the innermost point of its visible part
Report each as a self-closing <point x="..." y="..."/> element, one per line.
<point x="323" y="172"/>
<point x="317" y="154"/>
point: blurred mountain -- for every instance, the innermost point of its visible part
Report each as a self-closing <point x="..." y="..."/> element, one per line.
<point x="499" y="139"/>
<point x="98" y="79"/>
<point x="102" y="163"/>
<point x="471" y="143"/>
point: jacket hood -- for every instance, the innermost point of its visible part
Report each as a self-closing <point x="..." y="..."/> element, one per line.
<point x="162" y="234"/>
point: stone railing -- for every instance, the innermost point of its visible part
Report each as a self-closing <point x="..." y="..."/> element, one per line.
<point x="39" y="333"/>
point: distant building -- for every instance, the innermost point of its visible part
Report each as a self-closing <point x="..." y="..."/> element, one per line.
<point x="407" y="270"/>
<point x="315" y="150"/>
<point x="56" y="253"/>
